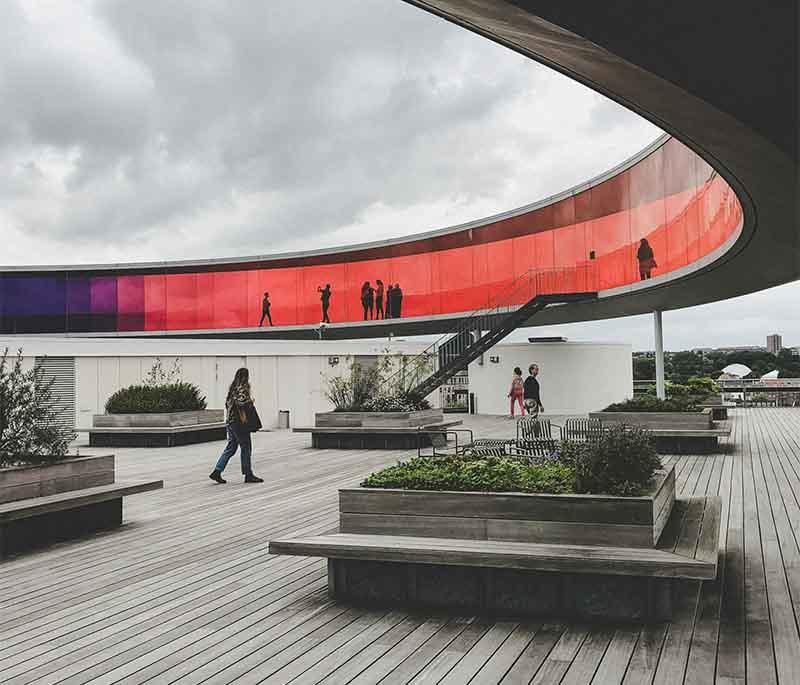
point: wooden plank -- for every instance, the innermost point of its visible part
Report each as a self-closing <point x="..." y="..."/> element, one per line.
<point x="13" y="511"/>
<point x="534" y="655"/>
<point x="523" y="506"/>
<point x="615" y="661"/>
<point x="531" y="556"/>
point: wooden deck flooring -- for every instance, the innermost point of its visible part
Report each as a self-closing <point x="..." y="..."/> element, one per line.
<point x="186" y="592"/>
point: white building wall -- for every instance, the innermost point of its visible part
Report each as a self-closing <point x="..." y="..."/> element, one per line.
<point x="575" y="378"/>
<point x="284" y="375"/>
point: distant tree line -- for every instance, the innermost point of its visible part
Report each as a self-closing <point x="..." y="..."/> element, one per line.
<point x="680" y="366"/>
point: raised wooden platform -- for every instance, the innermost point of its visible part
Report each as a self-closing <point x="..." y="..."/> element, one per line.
<point x="186" y="591"/>
<point x="548" y="579"/>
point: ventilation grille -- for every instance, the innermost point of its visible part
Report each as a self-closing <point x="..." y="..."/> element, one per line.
<point x="61" y="371"/>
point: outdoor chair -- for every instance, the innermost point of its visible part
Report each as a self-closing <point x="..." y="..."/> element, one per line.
<point x="582" y="430"/>
<point x="534" y="438"/>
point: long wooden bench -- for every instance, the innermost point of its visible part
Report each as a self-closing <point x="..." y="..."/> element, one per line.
<point x="585" y="581"/>
<point x="377" y="437"/>
<point x="37" y="521"/>
<point x="677" y="441"/>
<point x="156" y="436"/>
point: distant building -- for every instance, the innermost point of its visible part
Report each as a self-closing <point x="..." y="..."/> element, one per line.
<point x="774" y="343"/>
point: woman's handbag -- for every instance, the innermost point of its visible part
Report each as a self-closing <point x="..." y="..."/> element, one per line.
<point x="249" y="418"/>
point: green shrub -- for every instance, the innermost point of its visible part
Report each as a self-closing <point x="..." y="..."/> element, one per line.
<point x="648" y="403"/>
<point x="29" y="433"/>
<point x="158" y="399"/>
<point x="487" y="474"/>
<point x="622" y="462"/>
<point x="396" y="403"/>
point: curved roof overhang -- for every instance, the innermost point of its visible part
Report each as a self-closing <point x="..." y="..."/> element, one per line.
<point x="721" y="78"/>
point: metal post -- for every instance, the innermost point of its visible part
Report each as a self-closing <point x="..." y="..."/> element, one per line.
<point x="659" y="336"/>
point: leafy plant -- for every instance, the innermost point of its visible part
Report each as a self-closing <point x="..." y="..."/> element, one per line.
<point x="406" y="402"/>
<point x="349" y="392"/>
<point x="146" y="399"/>
<point x="158" y="376"/>
<point x="383" y="387"/>
<point x="29" y="432"/>
<point x="486" y="474"/>
<point x="622" y="462"/>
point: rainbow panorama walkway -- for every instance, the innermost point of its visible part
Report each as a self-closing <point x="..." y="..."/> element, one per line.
<point x="186" y="592"/>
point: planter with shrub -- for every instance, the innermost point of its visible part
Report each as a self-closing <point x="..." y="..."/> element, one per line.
<point x="164" y="411"/>
<point x="34" y="458"/>
<point x="612" y="492"/>
<point x="677" y="413"/>
<point x="35" y="466"/>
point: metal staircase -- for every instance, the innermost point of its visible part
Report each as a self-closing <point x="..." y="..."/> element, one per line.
<point x="480" y="331"/>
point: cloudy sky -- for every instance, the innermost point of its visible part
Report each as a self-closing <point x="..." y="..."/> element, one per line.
<point x="162" y="130"/>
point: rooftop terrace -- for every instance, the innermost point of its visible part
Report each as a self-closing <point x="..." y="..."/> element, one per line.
<point x="186" y="592"/>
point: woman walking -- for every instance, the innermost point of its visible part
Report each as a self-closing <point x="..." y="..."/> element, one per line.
<point x="241" y="421"/>
<point x="517" y="392"/>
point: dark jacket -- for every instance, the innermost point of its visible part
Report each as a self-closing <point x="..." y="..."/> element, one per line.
<point x="644" y="253"/>
<point x="531" y="389"/>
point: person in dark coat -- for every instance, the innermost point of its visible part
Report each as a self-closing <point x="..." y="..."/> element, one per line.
<point x="390" y="302"/>
<point x="646" y="257"/>
<point x="325" y="298"/>
<point x="398" y="301"/>
<point x="531" y="392"/>
<point x="265" y="305"/>
<point x="379" y="299"/>
<point x="237" y="402"/>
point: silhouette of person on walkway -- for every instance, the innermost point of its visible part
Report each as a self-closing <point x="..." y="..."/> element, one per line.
<point x="265" y="305"/>
<point x="379" y="299"/>
<point x="646" y="257"/>
<point x="397" y="308"/>
<point x="390" y="302"/>
<point x="325" y="298"/>
<point x="367" y="300"/>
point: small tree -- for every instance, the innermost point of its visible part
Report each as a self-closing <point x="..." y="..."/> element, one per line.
<point x="29" y="431"/>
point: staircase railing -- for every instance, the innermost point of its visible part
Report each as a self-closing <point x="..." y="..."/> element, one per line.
<point x="464" y="336"/>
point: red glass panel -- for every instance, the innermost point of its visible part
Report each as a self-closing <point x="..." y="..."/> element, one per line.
<point x="155" y="302"/>
<point x="230" y="299"/>
<point x="413" y="273"/>
<point x="181" y="299"/>
<point x="358" y="273"/>
<point x="309" y="303"/>
<point x="130" y="303"/>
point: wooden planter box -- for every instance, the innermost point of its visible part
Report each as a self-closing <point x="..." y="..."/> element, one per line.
<point x="603" y="520"/>
<point x="23" y="482"/>
<point x="366" y="419"/>
<point x="701" y="420"/>
<point x="165" y="420"/>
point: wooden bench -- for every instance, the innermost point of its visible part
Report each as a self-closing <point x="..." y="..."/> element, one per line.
<point x="677" y="441"/>
<point x="377" y="437"/>
<point x="584" y="581"/>
<point x="37" y="521"/>
<point x="156" y="436"/>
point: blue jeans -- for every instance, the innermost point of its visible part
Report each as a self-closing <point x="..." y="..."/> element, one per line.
<point x="237" y="438"/>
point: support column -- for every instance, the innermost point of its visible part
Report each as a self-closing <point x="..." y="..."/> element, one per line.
<point x="659" y="337"/>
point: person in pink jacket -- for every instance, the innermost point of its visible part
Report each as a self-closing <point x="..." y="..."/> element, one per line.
<point x="516" y="392"/>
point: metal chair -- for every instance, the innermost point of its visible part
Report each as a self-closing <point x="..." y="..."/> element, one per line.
<point x="534" y="438"/>
<point x="582" y="430"/>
